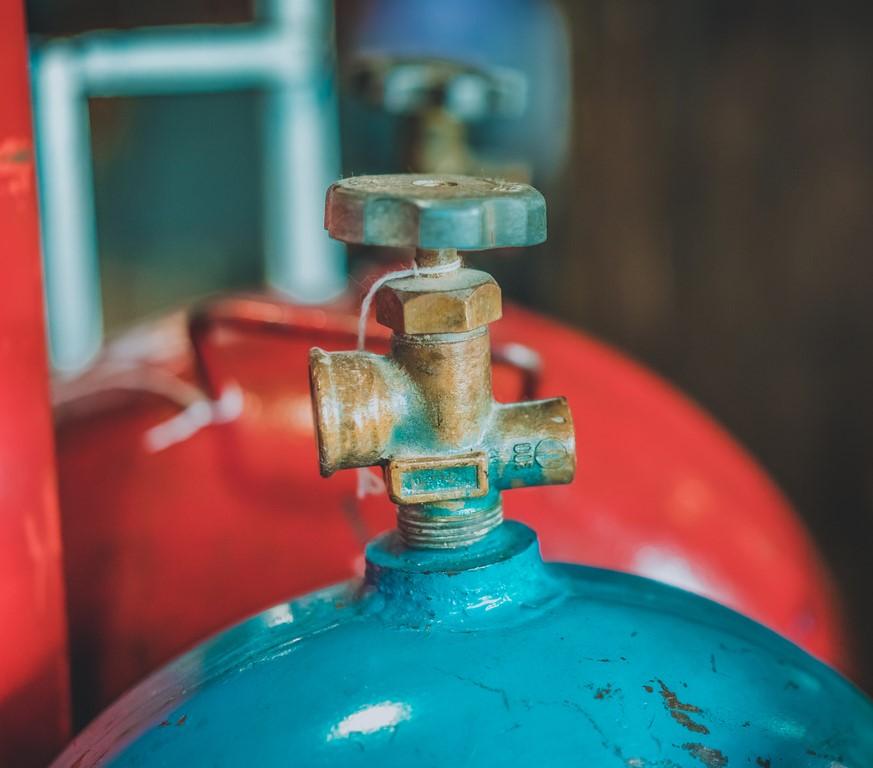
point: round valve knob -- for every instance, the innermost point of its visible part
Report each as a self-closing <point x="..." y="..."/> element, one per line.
<point x="435" y="212"/>
<point x="407" y="86"/>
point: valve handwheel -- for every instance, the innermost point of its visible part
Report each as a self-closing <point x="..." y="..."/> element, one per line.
<point x="435" y="212"/>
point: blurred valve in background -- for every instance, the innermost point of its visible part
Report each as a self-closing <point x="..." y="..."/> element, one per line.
<point x="287" y="53"/>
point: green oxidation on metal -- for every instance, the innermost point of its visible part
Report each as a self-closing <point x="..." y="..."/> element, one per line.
<point x="462" y="507"/>
<point x="467" y="226"/>
<point x="436" y="212"/>
<point x="521" y="464"/>
<point x="461" y="479"/>
<point x="412" y="433"/>
<point x="512" y="463"/>
<point x="486" y="655"/>
<point x="439" y="370"/>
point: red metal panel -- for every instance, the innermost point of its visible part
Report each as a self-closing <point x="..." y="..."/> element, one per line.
<point x="34" y="712"/>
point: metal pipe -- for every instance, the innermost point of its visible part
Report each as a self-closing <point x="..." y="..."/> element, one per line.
<point x="288" y="53"/>
<point x="69" y="230"/>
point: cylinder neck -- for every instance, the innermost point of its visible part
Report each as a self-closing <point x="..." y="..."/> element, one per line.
<point x="502" y="570"/>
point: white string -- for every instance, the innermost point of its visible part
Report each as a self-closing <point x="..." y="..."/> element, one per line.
<point x="369" y="483"/>
<point x="413" y="271"/>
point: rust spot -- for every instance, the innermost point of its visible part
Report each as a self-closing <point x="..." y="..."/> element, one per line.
<point x="687" y="722"/>
<point x="605" y="692"/>
<point x="711" y="758"/>
<point x="671" y="700"/>
<point x="181" y="720"/>
<point x="165" y="723"/>
<point x="648" y="688"/>
<point x="764" y="762"/>
<point x="678" y="710"/>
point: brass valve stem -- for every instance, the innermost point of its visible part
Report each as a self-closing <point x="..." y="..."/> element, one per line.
<point x="439" y="257"/>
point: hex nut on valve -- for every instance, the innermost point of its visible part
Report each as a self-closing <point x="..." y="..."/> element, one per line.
<point x="465" y="300"/>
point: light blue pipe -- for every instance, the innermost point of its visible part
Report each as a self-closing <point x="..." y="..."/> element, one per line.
<point x="288" y="53"/>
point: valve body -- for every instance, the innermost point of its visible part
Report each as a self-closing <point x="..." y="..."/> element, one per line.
<point x="425" y="413"/>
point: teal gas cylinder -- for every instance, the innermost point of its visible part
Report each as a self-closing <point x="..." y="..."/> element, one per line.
<point x="488" y="657"/>
<point x="460" y="646"/>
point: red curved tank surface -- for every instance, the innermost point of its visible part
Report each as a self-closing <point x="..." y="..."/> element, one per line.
<point x="173" y="527"/>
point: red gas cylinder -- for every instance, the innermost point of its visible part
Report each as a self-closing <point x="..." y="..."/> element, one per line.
<point x="182" y="514"/>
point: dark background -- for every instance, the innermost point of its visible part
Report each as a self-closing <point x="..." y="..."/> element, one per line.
<point x="721" y="187"/>
<point x="714" y="221"/>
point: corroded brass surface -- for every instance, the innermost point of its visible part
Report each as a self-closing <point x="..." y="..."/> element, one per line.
<point x="534" y="437"/>
<point x="452" y="303"/>
<point x="452" y="376"/>
<point x="356" y="399"/>
<point x="409" y="481"/>
<point x="426" y="413"/>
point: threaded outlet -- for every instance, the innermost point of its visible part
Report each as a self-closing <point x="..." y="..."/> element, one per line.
<point x="427" y="531"/>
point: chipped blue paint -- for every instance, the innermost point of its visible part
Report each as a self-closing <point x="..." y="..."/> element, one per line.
<point x="486" y="656"/>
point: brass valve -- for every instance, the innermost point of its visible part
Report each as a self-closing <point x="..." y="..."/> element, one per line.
<point x="425" y="413"/>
